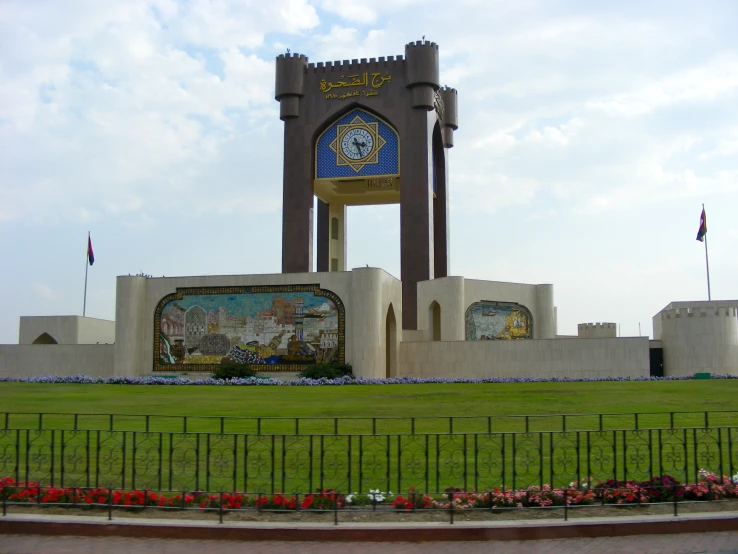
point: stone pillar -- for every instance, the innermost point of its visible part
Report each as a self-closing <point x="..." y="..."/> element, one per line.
<point x="544" y="326"/>
<point x="297" y="202"/>
<point x="130" y="328"/>
<point x="416" y="213"/>
<point x="331" y="236"/>
<point x="416" y="176"/>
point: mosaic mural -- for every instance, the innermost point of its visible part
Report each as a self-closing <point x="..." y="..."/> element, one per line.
<point x="487" y="320"/>
<point x="357" y="145"/>
<point x="282" y="328"/>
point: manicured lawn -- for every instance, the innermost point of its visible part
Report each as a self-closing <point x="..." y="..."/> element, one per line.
<point x="229" y="440"/>
<point x="380" y="401"/>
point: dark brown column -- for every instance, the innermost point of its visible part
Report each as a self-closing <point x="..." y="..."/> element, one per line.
<point x="440" y="207"/>
<point x="416" y="213"/>
<point x="297" y="200"/>
<point x="324" y="236"/>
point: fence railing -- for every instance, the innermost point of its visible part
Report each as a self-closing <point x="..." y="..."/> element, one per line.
<point x="159" y="460"/>
<point x="368" y="425"/>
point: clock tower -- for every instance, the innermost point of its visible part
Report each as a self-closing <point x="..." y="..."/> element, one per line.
<point x="365" y="132"/>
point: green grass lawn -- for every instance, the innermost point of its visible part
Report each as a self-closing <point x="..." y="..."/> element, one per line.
<point x="221" y="451"/>
<point x="435" y="401"/>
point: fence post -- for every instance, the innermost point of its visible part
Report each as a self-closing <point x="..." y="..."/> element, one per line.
<point x="566" y="504"/>
<point x="110" y="504"/>
<point x="335" y="507"/>
<point x="5" y="502"/>
<point x="451" y="507"/>
<point x="675" y="502"/>
<point x="220" y="508"/>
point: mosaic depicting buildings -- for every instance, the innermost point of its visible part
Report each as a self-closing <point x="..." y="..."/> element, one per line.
<point x="498" y="321"/>
<point x="280" y="329"/>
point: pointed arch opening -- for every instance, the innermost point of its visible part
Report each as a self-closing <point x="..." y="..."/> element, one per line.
<point x="45" y="338"/>
<point x="356" y="158"/>
<point x="440" y="206"/>
<point x="390" y="344"/>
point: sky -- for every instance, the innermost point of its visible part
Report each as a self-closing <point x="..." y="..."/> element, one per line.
<point x="590" y="134"/>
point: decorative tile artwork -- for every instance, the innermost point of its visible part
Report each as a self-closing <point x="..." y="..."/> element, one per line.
<point x="386" y="161"/>
<point x="282" y="328"/>
<point x="488" y="320"/>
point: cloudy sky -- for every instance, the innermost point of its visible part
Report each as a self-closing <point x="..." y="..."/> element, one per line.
<point x="590" y="134"/>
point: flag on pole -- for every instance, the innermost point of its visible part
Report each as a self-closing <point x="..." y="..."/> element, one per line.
<point x="703" y="226"/>
<point x="91" y="256"/>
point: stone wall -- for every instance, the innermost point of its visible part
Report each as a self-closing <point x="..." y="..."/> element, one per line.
<point x="623" y="357"/>
<point x="63" y="360"/>
<point x="700" y="339"/>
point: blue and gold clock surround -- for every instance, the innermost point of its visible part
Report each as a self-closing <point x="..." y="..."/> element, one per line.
<point x="357" y="145"/>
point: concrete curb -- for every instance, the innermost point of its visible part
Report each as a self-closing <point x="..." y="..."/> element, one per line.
<point x="363" y="532"/>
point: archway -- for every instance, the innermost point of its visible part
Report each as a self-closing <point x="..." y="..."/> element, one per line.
<point x="390" y="341"/>
<point x="434" y="321"/>
<point x="45" y="338"/>
<point x="440" y="206"/>
<point x="356" y="163"/>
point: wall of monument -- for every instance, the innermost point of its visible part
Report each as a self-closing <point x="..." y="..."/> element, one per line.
<point x="621" y="357"/>
<point x="278" y="322"/>
<point x="700" y="338"/>
<point x="469" y="309"/>
<point x="63" y="360"/>
<point x="67" y="329"/>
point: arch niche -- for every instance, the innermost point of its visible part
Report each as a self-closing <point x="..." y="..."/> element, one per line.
<point x="434" y="321"/>
<point x="390" y="341"/>
<point x="45" y="338"/>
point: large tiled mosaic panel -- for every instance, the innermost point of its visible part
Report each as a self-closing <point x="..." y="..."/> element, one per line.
<point x="281" y="328"/>
<point x="489" y="320"/>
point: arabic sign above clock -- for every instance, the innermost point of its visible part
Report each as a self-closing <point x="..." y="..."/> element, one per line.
<point x="368" y="86"/>
<point x="357" y="145"/>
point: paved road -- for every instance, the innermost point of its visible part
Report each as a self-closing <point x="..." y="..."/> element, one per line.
<point x="702" y="543"/>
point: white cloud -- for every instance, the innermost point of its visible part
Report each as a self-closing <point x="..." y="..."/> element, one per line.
<point x="705" y="83"/>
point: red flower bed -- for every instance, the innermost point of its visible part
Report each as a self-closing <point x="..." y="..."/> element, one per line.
<point x="658" y="489"/>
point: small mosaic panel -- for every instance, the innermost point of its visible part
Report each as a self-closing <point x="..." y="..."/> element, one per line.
<point x="282" y="328"/>
<point x="372" y="158"/>
<point x="489" y="320"/>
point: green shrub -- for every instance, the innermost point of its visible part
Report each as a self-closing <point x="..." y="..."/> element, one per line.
<point x="233" y="371"/>
<point x="329" y="371"/>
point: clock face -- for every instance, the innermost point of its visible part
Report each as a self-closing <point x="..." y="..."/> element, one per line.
<point x="357" y="143"/>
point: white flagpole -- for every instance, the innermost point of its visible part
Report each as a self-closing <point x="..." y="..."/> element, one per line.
<point x="707" y="260"/>
<point x="87" y="265"/>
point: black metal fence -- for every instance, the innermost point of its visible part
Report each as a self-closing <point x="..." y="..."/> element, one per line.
<point x="159" y="460"/>
<point x="368" y="425"/>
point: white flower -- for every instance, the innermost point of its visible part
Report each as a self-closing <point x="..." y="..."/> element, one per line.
<point x="735" y="478"/>
<point x="376" y="495"/>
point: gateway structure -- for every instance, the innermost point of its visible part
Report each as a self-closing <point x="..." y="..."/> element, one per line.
<point x="363" y="132"/>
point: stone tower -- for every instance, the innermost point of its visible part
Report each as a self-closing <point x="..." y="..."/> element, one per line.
<point x="365" y="132"/>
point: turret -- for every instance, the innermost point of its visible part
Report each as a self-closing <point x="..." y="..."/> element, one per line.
<point x="450" y="115"/>
<point x="421" y="72"/>
<point x="290" y="83"/>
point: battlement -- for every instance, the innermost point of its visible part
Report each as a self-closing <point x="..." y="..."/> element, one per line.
<point x="597" y="325"/>
<point x="597" y="330"/>
<point x="421" y="43"/>
<point x="704" y="311"/>
<point x="347" y="66"/>
<point x="295" y="55"/>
